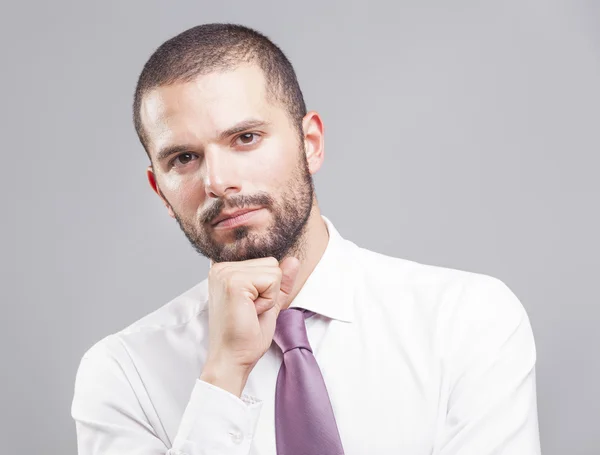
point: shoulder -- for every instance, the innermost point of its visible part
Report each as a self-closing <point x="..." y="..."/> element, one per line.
<point x="177" y="313"/>
<point x="180" y="310"/>
<point x="410" y="275"/>
<point x="454" y="296"/>
<point x="467" y="314"/>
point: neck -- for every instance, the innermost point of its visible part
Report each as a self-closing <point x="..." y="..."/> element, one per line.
<point x="313" y="246"/>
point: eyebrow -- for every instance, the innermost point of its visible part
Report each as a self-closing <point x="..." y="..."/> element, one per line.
<point x="244" y="125"/>
<point x="169" y="150"/>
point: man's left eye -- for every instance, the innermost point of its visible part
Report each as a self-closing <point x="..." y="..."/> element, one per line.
<point x="247" y="138"/>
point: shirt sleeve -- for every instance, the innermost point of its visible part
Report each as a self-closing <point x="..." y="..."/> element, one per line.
<point x="110" y="420"/>
<point x="489" y="363"/>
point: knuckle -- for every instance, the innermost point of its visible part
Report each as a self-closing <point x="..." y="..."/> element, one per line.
<point x="272" y="261"/>
<point x="216" y="269"/>
<point x="234" y="281"/>
<point x="223" y="271"/>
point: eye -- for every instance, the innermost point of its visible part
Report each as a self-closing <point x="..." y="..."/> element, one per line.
<point x="183" y="159"/>
<point x="247" y="139"/>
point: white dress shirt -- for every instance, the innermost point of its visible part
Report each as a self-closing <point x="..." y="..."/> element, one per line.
<point x="417" y="360"/>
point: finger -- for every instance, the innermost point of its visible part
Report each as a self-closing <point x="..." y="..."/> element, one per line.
<point x="268" y="261"/>
<point x="268" y="321"/>
<point x="263" y="305"/>
<point x="290" y="267"/>
<point x="263" y="262"/>
<point x="266" y="280"/>
<point x="265" y="283"/>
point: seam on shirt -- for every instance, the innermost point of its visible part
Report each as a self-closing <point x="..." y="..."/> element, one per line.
<point x="440" y="330"/>
<point x="445" y="386"/>
<point x="508" y="335"/>
<point x="127" y="331"/>
<point x="145" y="390"/>
<point x="105" y="352"/>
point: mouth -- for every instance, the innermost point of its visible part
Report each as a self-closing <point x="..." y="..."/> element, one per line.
<point x="234" y="218"/>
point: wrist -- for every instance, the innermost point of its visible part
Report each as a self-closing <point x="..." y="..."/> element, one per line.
<point x="231" y="378"/>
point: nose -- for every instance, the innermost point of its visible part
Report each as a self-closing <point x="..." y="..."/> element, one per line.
<point x="221" y="177"/>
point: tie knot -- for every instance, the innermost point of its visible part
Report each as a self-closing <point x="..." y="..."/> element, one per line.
<point x="290" y="330"/>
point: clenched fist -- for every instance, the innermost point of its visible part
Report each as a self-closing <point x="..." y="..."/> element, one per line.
<point x="245" y="299"/>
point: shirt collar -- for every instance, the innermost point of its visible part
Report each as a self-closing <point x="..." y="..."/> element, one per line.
<point x="328" y="289"/>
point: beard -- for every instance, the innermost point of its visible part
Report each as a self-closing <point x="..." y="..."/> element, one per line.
<point x="286" y="235"/>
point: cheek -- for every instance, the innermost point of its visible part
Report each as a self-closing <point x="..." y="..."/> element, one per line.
<point x="278" y="164"/>
<point x="184" y="193"/>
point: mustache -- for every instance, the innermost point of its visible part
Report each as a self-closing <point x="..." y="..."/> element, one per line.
<point x="236" y="202"/>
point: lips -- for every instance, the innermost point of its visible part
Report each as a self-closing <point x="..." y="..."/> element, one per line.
<point x="228" y="215"/>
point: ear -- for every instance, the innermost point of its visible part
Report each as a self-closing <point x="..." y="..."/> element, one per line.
<point x="312" y="126"/>
<point x="154" y="185"/>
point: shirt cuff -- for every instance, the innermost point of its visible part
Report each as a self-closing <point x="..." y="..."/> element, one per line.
<point x="216" y="421"/>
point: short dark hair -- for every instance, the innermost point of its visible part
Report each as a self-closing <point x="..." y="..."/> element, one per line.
<point x="211" y="47"/>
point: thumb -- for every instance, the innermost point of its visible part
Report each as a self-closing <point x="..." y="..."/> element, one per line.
<point x="290" y="267"/>
<point x="268" y="320"/>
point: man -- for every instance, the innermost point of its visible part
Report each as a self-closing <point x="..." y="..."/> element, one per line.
<point x="298" y="342"/>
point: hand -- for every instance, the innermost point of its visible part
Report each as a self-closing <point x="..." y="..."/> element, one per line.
<point x="245" y="299"/>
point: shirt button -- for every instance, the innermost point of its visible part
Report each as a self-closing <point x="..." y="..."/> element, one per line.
<point x="237" y="436"/>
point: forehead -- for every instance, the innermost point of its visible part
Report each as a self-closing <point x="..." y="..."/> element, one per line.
<point x="200" y="109"/>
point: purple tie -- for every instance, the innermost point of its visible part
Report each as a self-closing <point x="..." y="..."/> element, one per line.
<point x="304" y="420"/>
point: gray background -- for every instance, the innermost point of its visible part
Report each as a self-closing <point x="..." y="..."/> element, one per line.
<point x="462" y="134"/>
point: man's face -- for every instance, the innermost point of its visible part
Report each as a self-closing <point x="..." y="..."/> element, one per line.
<point x="219" y="144"/>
